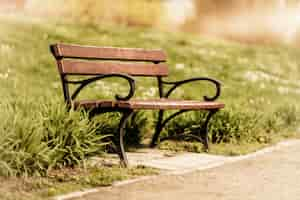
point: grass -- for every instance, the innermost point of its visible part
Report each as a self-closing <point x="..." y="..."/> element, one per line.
<point x="63" y="181"/>
<point x="261" y="91"/>
<point x="227" y="149"/>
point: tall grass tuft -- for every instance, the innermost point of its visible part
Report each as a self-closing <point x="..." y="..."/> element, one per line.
<point x="35" y="137"/>
<point x="71" y="135"/>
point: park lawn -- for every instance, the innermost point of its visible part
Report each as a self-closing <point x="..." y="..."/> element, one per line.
<point x="261" y="90"/>
<point x="253" y="77"/>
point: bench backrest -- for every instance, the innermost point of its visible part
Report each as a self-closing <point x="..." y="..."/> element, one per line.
<point x="90" y="60"/>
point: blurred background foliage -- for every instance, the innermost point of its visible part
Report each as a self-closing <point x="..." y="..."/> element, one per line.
<point x="251" y="21"/>
<point x="125" y="12"/>
<point x="129" y="12"/>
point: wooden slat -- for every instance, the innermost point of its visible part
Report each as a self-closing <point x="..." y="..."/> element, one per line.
<point x="107" y="53"/>
<point x="168" y="104"/>
<point x="154" y="104"/>
<point x="76" y="67"/>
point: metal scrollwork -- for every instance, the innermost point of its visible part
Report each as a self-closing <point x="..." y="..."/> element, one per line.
<point x="179" y="83"/>
<point x="161" y="123"/>
<point x="85" y="82"/>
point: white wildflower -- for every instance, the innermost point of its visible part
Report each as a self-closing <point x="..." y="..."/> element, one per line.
<point x="4" y="76"/>
<point x="283" y="90"/>
<point x="179" y="66"/>
<point x="5" y="48"/>
<point x="251" y="76"/>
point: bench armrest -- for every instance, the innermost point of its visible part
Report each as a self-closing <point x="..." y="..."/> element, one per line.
<point x="176" y="84"/>
<point x="83" y="83"/>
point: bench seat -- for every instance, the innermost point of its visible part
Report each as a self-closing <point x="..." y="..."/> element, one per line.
<point x="159" y="104"/>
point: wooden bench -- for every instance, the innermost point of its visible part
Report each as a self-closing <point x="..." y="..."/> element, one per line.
<point x="96" y="63"/>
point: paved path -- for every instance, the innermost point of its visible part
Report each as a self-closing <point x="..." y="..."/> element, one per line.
<point x="274" y="176"/>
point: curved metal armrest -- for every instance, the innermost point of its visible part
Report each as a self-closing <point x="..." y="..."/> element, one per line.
<point x="176" y="84"/>
<point x="85" y="82"/>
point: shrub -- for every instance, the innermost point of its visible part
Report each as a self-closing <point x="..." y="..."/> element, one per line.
<point x="21" y="139"/>
<point x="71" y="135"/>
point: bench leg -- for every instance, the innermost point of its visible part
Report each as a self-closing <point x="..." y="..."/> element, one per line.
<point x="158" y="129"/>
<point x="204" y="130"/>
<point x="125" y="116"/>
<point x="161" y="123"/>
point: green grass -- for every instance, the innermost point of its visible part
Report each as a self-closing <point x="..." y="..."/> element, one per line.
<point x="261" y="91"/>
<point x="68" y="180"/>
<point x="228" y="149"/>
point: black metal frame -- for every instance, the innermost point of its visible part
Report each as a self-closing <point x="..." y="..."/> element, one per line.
<point x="121" y="151"/>
<point x="161" y="122"/>
<point x="127" y="113"/>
